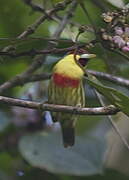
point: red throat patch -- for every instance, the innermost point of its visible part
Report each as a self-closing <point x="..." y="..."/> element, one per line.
<point x="65" y="81"/>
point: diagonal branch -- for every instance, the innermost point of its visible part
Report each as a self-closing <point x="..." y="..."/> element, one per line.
<point x="31" y="29"/>
<point x="35" y="7"/>
<point x="55" y="17"/>
<point x="66" y="19"/>
<point x="115" y="79"/>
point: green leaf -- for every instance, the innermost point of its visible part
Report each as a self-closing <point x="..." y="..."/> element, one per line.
<point x="115" y="97"/>
<point x="47" y="152"/>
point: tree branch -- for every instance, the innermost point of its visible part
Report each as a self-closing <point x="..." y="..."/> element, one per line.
<point x="31" y="29"/>
<point x="59" y="108"/>
<point x="34" y="52"/>
<point x="60" y="28"/>
<point x="35" y="7"/>
<point x="54" y="16"/>
<point x="66" y="19"/>
<point x="115" y="79"/>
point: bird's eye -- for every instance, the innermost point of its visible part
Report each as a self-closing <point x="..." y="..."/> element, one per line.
<point x="83" y="61"/>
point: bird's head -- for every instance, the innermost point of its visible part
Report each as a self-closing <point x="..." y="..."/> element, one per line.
<point x="81" y="57"/>
<point x="84" y="58"/>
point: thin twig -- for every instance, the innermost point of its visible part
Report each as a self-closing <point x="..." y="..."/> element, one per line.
<point x="31" y="29"/>
<point x="13" y="40"/>
<point x="54" y="16"/>
<point x="34" y="52"/>
<point x="66" y="19"/>
<point x="59" y="30"/>
<point x="36" y="7"/>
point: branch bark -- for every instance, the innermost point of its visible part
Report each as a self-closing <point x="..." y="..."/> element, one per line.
<point x="115" y="79"/>
<point x="107" y="110"/>
<point x="34" y="52"/>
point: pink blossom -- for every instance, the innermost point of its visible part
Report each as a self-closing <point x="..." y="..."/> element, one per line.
<point x="119" y="41"/>
<point x="118" y="30"/>
<point x="125" y="49"/>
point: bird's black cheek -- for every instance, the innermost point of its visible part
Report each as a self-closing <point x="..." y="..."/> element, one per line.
<point x="83" y="61"/>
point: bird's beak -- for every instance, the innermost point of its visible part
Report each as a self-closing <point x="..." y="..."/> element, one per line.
<point x="87" y="56"/>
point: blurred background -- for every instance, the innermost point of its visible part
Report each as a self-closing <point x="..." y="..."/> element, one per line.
<point x="30" y="145"/>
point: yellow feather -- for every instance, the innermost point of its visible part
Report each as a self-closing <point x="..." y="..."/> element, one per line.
<point x="68" y="67"/>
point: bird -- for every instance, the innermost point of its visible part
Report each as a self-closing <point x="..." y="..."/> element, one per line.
<point x="66" y="88"/>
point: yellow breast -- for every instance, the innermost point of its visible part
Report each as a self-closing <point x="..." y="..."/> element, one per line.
<point x="68" y="67"/>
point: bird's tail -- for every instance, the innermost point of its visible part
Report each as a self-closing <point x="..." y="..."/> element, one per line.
<point x="68" y="134"/>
